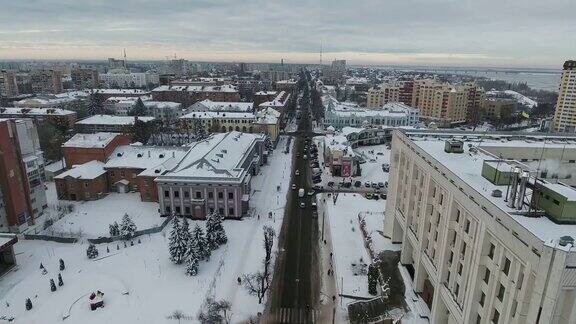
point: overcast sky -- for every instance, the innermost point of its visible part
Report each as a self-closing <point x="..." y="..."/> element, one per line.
<point x="509" y="33"/>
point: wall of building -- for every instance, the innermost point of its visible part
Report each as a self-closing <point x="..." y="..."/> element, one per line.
<point x="81" y="189"/>
<point x="80" y="155"/>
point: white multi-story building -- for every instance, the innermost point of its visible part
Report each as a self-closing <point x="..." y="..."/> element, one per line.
<point x="483" y="239"/>
<point x="347" y="114"/>
<point x="565" y="114"/>
<point x="129" y="80"/>
<point x="165" y="111"/>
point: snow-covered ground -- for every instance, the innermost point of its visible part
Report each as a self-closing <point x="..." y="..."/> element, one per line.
<point x="92" y="218"/>
<point x="520" y="98"/>
<point x="140" y="283"/>
<point x="343" y="230"/>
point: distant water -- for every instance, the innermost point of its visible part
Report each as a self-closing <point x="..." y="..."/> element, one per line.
<point x="536" y="80"/>
<point x="542" y="79"/>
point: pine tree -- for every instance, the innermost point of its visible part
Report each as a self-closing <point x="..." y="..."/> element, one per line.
<point x="215" y="234"/>
<point x="60" y="282"/>
<point x="62" y="266"/>
<point x="185" y="232"/>
<point x="92" y="251"/>
<point x="52" y="285"/>
<point x="28" y="304"/>
<point x="127" y="227"/>
<point x="192" y="264"/>
<point x="199" y="244"/>
<point x="176" y="243"/>
<point x="114" y="229"/>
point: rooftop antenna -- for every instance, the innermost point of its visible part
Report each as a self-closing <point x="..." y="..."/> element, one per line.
<point x="125" y="59"/>
<point x="321" y="50"/>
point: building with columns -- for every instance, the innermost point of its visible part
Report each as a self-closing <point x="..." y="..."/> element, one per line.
<point x="213" y="176"/>
<point x="487" y="233"/>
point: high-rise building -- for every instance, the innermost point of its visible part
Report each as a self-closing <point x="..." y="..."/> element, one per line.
<point x="8" y="84"/>
<point x="486" y="229"/>
<point x="565" y="114"/>
<point x="383" y="94"/>
<point x="15" y="202"/>
<point x="46" y="81"/>
<point x="84" y="78"/>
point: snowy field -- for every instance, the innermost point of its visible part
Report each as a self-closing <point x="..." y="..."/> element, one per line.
<point x="140" y="283"/>
<point x="92" y="218"/>
<point x="375" y="156"/>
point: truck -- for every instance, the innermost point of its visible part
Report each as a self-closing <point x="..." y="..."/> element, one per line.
<point x="301" y="192"/>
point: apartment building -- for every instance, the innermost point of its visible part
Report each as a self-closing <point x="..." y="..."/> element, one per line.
<point x="383" y="94"/>
<point x="54" y="116"/>
<point x="484" y="238"/>
<point x="496" y="109"/>
<point x="84" y="78"/>
<point x="46" y="81"/>
<point x="111" y="123"/>
<point x="8" y="84"/>
<point x="129" y="80"/>
<point x="565" y="113"/>
<point x="164" y="111"/>
<point x="15" y="203"/>
<point x="446" y="104"/>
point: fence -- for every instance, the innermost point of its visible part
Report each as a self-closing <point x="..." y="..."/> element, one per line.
<point x="151" y="230"/>
<point x="99" y="240"/>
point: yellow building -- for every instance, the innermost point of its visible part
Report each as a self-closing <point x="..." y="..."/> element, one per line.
<point x="565" y="114"/>
<point x="383" y="94"/>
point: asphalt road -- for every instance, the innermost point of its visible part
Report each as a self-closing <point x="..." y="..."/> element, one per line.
<point x="295" y="287"/>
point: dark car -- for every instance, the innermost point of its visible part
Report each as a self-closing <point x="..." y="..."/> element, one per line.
<point x="357" y="184"/>
<point x="347" y="184"/>
<point x="331" y="184"/>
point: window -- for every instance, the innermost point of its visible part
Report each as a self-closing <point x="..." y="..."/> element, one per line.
<point x="166" y="194"/>
<point x="198" y="194"/>
<point x="460" y="269"/>
<point x="496" y="317"/>
<point x="467" y="226"/>
<point x="491" y="252"/>
<point x="177" y="209"/>
<point x="167" y="209"/>
<point x="186" y="194"/>
<point x="230" y="195"/>
<point x="506" y="267"/>
<point x="211" y="210"/>
<point x="487" y="275"/>
<point x="458" y="216"/>
<point x="221" y="211"/>
<point x="230" y="211"/>
<point x="451" y="257"/>
<point x="501" y="291"/>
<point x="457" y="289"/>
<point x="86" y="184"/>
<point x="478" y="319"/>
<point x="210" y="195"/>
<point x="463" y="251"/>
<point x="556" y="201"/>
<point x="187" y="210"/>
<point x="482" y="298"/>
<point x="176" y="194"/>
<point x="220" y="195"/>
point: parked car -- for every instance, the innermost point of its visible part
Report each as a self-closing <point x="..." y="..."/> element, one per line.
<point x="331" y="184"/>
<point x="297" y="172"/>
<point x="311" y="192"/>
<point x="301" y="192"/>
<point x="347" y="184"/>
<point x="380" y="153"/>
<point x="374" y="185"/>
<point x="386" y="167"/>
<point x="383" y="196"/>
<point x="302" y="205"/>
<point x="316" y="180"/>
<point x="367" y="184"/>
<point x="293" y="186"/>
<point x="318" y="187"/>
<point x="357" y="184"/>
<point x="368" y="195"/>
<point x="381" y="184"/>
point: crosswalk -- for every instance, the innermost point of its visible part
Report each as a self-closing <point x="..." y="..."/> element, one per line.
<point x="290" y="315"/>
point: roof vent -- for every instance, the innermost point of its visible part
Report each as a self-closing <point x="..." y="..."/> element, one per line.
<point x="119" y="154"/>
<point x="497" y="193"/>
<point x="453" y="146"/>
<point x="139" y="155"/>
<point x="161" y="155"/>
<point x="157" y="171"/>
<point x="565" y="240"/>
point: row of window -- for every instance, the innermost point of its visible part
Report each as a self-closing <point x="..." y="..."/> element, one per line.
<point x="198" y="194"/>
<point x="188" y="210"/>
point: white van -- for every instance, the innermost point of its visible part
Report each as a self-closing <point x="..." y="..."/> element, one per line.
<point x="301" y="192"/>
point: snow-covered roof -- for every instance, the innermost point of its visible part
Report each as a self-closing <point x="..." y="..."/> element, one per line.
<point x="162" y="104"/>
<point x="96" y="140"/>
<point x="143" y="157"/>
<point x="279" y="101"/>
<point x="209" y="105"/>
<point x="565" y="191"/>
<point x="220" y="156"/>
<point x="120" y="91"/>
<point x="265" y="93"/>
<point x="197" y="88"/>
<point x="87" y="171"/>
<point x="339" y="143"/>
<point x="468" y="167"/>
<point x="35" y="111"/>
<point x="55" y="166"/>
<point x="113" y="120"/>
<point x="217" y="114"/>
<point x="268" y="116"/>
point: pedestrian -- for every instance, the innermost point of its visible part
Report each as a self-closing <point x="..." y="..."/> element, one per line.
<point x="330" y="255"/>
<point x="328" y="272"/>
<point x="258" y="216"/>
<point x="239" y="281"/>
<point x="333" y="298"/>
<point x="324" y="242"/>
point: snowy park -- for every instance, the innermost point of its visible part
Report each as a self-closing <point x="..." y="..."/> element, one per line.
<point x="139" y="281"/>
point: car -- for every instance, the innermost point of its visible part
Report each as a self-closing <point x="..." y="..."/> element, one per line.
<point x="347" y="184"/>
<point x="301" y="192"/>
<point x="331" y="184"/>
<point x="311" y="192"/>
<point x="368" y="195"/>
<point x="357" y="184"/>
<point x="381" y="184"/>
<point x="374" y="185"/>
<point x="297" y="154"/>
<point x="367" y="184"/>
<point x="316" y="180"/>
<point x="383" y="196"/>
<point x="305" y="157"/>
<point x="314" y="214"/>
<point x="297" y="172"/>
<point x="302" y="205"/>
<point x="380" y="153"/>
<point x="293" y="186"/>
<point x="375" y="197"/>
<point x="386" y="167"/>
<point x="318" y="187"/>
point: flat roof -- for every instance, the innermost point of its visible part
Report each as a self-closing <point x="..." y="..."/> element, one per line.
<point x="468" y="167"/>
<point x="113" y="120"/>
<point x="96" y="140"/>
<point x="87" y="171"/>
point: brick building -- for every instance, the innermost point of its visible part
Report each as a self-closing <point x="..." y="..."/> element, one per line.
<point x="83" y="182"/>
<point x="110" y="123"/>
<point x="54" y="116"/>
<point x="82" y="148"/>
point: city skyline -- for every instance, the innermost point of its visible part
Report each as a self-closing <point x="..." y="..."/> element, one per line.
<point x="437" y="33"/>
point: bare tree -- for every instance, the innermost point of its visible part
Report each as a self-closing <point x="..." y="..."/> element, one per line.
<point x="214" y="312"/>
<point x="259" y="282"/>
